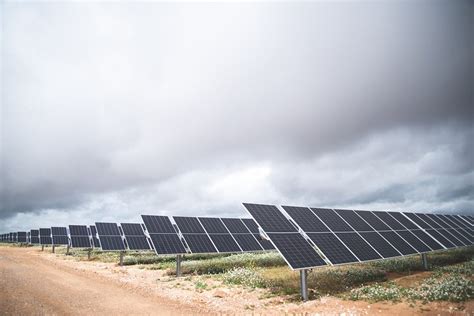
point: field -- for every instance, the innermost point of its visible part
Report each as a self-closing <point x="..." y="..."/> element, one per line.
<point x="260" y="283"/>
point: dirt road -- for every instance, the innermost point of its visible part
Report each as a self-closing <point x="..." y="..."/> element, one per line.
<point x="33" y="285"/>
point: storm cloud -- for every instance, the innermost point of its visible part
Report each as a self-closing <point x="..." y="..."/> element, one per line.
<point x="113" y="110"/>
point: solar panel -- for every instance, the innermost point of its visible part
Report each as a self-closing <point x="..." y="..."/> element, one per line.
<point x="332" y="220"/>
<point x="199" y="243"/>
<point x="59" y="235"/>
<point x="109" y="236"/>
<point x="247" y="242"/>
<point x="334" y="250"/>
<point x="358" y="246"/>
<point x="235" y="226"/>
<point x="45" y="236"/>
<point x="295" y="249"/>
<point x="418" y="221"/>
<point x="189" y="225"/>
<point x="213" y="225"/>
<point x="21" y="237"/>
<point x="458" y="222"/>
<point x="389" y="220"/>
<point x="398" y="242"/>
<point x="156" y="224"/>
<point x="354" y="220"/>
<point x="403" y="220"/>
<point x="459" y="236"/>
<point x="163" y="235"/>
<point x="225" y="243"/>
<point x="306" y="219"/>
<point x="414" y="241"/>
<point x="440" y="237"/>
<point x="430" y="242"/>
<point x="135" y="236"/>
<point x="79" y="236"/>
<point x="270" y="218"/>
<point x="242" y="235"/>
<point x="373" y="220"/>
<point x="95" y="240"/>
<point x="382" y="246"/>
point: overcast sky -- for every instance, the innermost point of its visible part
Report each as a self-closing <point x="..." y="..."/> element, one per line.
<point x="114" y="110"/>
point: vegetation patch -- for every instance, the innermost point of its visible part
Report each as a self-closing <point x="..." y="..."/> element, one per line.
<point x="244" y="276"/>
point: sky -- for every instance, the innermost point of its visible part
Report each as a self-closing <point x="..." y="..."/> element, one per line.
<point x="113" y="110"/>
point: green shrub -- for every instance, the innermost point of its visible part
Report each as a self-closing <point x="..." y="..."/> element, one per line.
<point x="244" y="276"/>
<point x="377" y="292"/>
<point x="451" y="287"/>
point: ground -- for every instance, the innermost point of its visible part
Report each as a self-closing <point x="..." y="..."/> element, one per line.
<point x="42" y="283"/>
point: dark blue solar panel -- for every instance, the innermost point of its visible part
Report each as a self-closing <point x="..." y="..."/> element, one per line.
<point x="429" y="241"/>
<point x="60" y="240"/>
<point x="235" y="225"/>
<point x="58" y="231"/>
<point x="296" y="250"/>
<point x="373" y="220"/>
<point x="107" y="229"/>
<point x="354" y="220"/>
<point x="78" y="230"/>
<point x="156" y="224"/>
<point x="398" y="242"/>
<point x="384" y="248"/>
<point x="111" y="243"/>
<point x="189" y="225"/>
<point x="358" y="246"/>
<point x="213" y="225"/>
<point x="418" y="221"/>
<point x="403" y="220"/>
<point x="332" y="220"/>
<point x="305" y="219"/>
<point x="414" y="241"/>
<point x="167" y="244"/>
<point x="427" y="219"/>
<point x="332" y="248"/>
<point x="95" y="240"/>
<point x="199" y="243"/>
<point x="251" y="225"/>
<point x="225" y="243"/>
<point x="80" y="242"/>
<point x="137" y="242"/>
<point x="132" y="229"/>
<point x="389" y="220"/>
<point x="269" y="218"/>
<point x="247" y="242"/>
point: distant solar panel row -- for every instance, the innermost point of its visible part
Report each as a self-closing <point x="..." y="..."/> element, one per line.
<point x="347" y="236"/>
<point x="201" y="235"/>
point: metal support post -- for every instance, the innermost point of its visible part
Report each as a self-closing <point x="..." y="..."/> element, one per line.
<point x="89" y="254"/>
<point x="42" y="247"/>
<point x="67" y="251"/>
<point x="424" y="260"/>
<point x="121" y="257"/>
<point x="53" y="250"/>
<point x="178" y="265"/>
<point x="304" y="284"/>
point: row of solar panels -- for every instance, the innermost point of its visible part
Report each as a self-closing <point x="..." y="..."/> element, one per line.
<point x="310" y="237"/>
<point x="186" y="235"/>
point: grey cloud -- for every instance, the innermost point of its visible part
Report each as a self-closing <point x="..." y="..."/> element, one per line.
<point x="154" y="102"/>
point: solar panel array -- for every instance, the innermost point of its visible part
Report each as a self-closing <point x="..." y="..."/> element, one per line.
<point x="110" y="237"/>
<point x="347" y="236"/>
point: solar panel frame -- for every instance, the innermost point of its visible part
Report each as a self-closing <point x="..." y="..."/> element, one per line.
<point x="94" y="238"/>
<point x="164" y="236"/>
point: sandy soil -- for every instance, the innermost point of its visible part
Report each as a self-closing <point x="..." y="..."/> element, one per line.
<point x="41" y="283"/>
